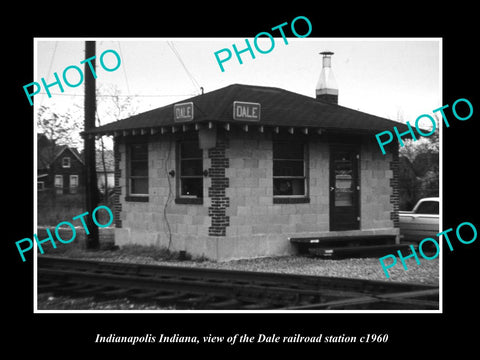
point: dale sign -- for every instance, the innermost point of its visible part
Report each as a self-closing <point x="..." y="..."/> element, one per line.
<point x="246" y="111"/>
<point x="183" y="112"/>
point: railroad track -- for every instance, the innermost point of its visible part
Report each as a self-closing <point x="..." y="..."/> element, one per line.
<point x="200" y="288"/>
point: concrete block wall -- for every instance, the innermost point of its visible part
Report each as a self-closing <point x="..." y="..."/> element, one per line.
<point x="256" y="226"/>
<point x="376" y="190"/>
<point x="144" y="222"/>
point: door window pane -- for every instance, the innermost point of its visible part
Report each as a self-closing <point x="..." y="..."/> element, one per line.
<point x="343" y="184"/>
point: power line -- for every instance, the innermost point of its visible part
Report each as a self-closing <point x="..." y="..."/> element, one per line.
<point x="189" y="74"/>
<point x="51" y="60"/>
<point x="124" y="67"/>
<point x="51" y="63"/>
<point x="120" y="95"/>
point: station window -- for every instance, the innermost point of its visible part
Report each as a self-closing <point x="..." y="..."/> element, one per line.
<point x="138" y="171"/>
<point x="190" y="172"/>
<point x="290" y="179"/>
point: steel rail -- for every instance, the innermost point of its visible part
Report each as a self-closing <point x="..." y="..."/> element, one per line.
<point x="406" y="298"/>
<point x="360" y="285"/>
<point x="229" y="288"/>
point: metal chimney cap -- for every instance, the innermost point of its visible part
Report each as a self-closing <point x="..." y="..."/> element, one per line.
<point x="326" y="85"/>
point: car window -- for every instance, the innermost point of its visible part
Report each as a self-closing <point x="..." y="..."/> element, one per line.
<point x="428" y="207"/>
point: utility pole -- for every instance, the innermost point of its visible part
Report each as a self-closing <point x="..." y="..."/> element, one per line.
<point x="91" y="189"/>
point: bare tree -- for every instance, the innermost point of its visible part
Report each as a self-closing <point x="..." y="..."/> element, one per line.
<point x="64" y="128"/>
<point x="112" y="107"/>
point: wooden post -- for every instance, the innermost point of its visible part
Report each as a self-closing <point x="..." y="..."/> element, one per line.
<point x="91" y="188"/>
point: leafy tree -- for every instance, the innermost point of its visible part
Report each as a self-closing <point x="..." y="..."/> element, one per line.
<point x="60" y="129"/>
<point x="57" y="130"/>
<point x="419" y="169"/>
<point x="407" y="184"/>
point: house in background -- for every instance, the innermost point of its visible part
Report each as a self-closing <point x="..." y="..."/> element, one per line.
<point x="105" y="174"/>
<point x="60" y="168"/>
<point x="45" y="154"/>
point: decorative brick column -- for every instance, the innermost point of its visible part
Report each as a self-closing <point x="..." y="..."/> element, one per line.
<point x="219" y="201"/>
<point x="394" y="198"/>
<point x="117" y="206"/>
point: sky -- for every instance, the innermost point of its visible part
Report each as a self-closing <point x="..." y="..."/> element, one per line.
<point x="395" y="78"/>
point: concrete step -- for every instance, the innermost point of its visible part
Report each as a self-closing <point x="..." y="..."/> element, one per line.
<point x="325" y="244"/>
<point x="346" y="240"/>
<point x="358" y="251"/>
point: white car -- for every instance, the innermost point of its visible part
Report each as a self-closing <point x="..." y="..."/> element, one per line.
<point x="422" y="222"/>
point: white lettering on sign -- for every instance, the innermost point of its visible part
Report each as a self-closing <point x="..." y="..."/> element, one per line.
<point x="183" y="111"/>
<point x="246" y="111"/>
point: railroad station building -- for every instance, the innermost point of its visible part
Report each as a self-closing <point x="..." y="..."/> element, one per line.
<point x="239" y="171"/>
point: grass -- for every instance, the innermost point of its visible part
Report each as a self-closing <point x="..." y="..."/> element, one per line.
<point x="108" y="250"/>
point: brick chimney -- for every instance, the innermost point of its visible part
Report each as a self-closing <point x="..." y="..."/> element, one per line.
<point x="327" y="89"/>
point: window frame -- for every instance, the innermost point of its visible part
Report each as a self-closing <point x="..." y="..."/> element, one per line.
<point x="188" y="199"/>
<point x="58" y="187"/>
<point x="131" y="196"/>
<point x="73" y="189"/>
<point x="68" y="163"/>
<point x="292" y="199"/>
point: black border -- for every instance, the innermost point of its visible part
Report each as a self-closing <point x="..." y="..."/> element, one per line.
<point x="412" y="335"/>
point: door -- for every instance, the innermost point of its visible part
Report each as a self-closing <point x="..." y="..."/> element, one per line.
<point x="344" y="187"/>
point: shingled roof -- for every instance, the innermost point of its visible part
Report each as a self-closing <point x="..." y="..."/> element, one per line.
<point x="279" y="107"/>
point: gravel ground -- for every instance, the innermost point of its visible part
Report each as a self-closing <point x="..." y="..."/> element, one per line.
<point x="50" y="302"/>
<point x="364" y="268"/>
<point x="367" y="268"/>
